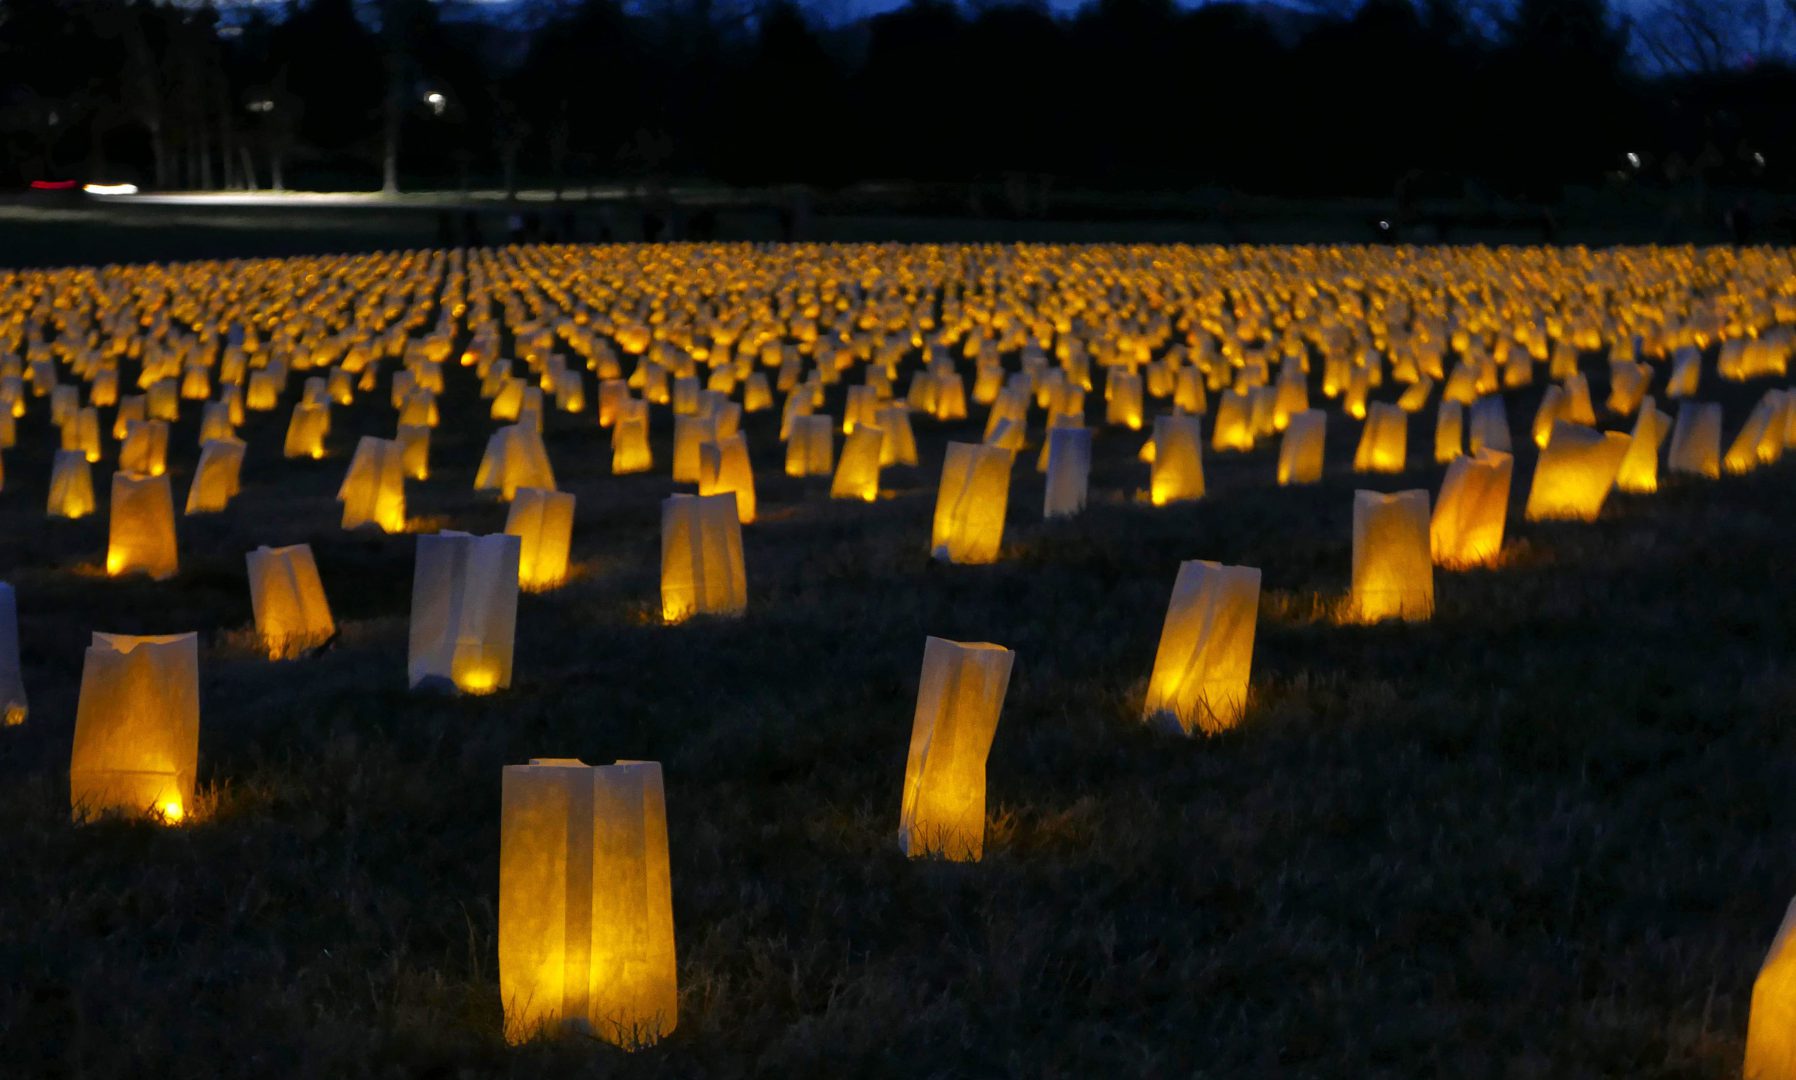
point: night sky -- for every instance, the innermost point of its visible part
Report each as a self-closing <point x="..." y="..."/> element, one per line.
<point x="840" y="10"/>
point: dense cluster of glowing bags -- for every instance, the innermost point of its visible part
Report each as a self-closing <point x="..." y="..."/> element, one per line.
<point x="1249" y="408"/>
<point x="1392" y="534"/>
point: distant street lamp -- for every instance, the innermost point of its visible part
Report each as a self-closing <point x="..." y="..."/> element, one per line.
<point x="437" y="102"/>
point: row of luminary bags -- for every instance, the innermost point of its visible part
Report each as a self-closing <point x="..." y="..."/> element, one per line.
<point x="1571" y="481"/>
<point x="461" y="633"/>
<point x="709" y="448"/>
<point x="1199" y="679"/>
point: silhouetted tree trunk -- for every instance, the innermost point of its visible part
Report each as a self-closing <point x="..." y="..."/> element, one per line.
<point x="389" y="171"/>
<point x="204" y="148"/>
<point x="508" y="164"/>
<point x="158" y="155"/>
<point x="402" y="23"/>
<point x="191" y="178"/>
<point x="143" y="93"/>
<point x="96" y="140"/>
<point x="279" y="122"/>
<point x="464" y="162"/>
<point x="228" y="157"/>
<point x="509" y="132"/>
<point x="559" y="137"/>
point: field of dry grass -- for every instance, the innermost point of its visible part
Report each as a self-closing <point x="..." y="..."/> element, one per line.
<point x="1548" y="833"/>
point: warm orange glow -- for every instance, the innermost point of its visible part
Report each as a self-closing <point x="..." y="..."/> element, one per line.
<point x="515" y="457"/>
<point x="690" y="432"/>
<point x="1201" y="668"/>
<point x="1639" y="472"/>
<point x="1354" y="402"/>
<point x="1393" y="572"/>
<point x="414" y="451"/>
<point x="1293" y="397"/>
<point x="306" y="430"/>
<point x="145" y="448"/>
<point x="141" y="537"/>
<point x="1415" y="399"/>
<point x="1449" y="432"/>
<point x="1761" y="439"/>
<point x="71" y="486"/>
<point x="1384" y="441"/>
<point x="215" y="479"/>
<point x="1300" y="450"/>
<point x="1575" y="473"/>
<point x="1628" y="383"/>
<point x="950" y="397"/>
<point x="1472" y="511"/>
<point x="136" y="727"/>
<point x="701" y="558"/>
<point x="1234" y="422"/>
<point x="811" y="449"/>
<point x="1122" y="399"/>
<point x="1771" y="1026"/>
<point x="960" y="695"/>
<point x="476" y="678"/>
<point x="1551" y="411"/>
<point x="970" y="504"/>
<point x="724" y="468"/>
<point x="861" y="407"/>
<point x="464" y="612"/>
<point x="630" y="451"/>
<point x="373" y="490"/>
<point x="291" y="612"/>
<point x="612" y="392"/>
<point x="857" y="474"/>
<point x="1686" y="373"/>
<point x="508" y="403"/>
<point x="586" y="935"/>
<point x="543" y="522"/>
<point x="1178" y="470"/>
<point x="264" y="392"/>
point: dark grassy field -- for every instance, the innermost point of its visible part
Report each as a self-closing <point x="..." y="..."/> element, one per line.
<point x="1549" y="833"/>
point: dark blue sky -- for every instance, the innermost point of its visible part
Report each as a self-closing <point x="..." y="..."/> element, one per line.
<point x="843" y="10"/>
<point x="854" y="8"/>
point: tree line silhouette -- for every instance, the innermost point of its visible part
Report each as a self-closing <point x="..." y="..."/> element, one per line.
<point x="1418" y="97"/>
